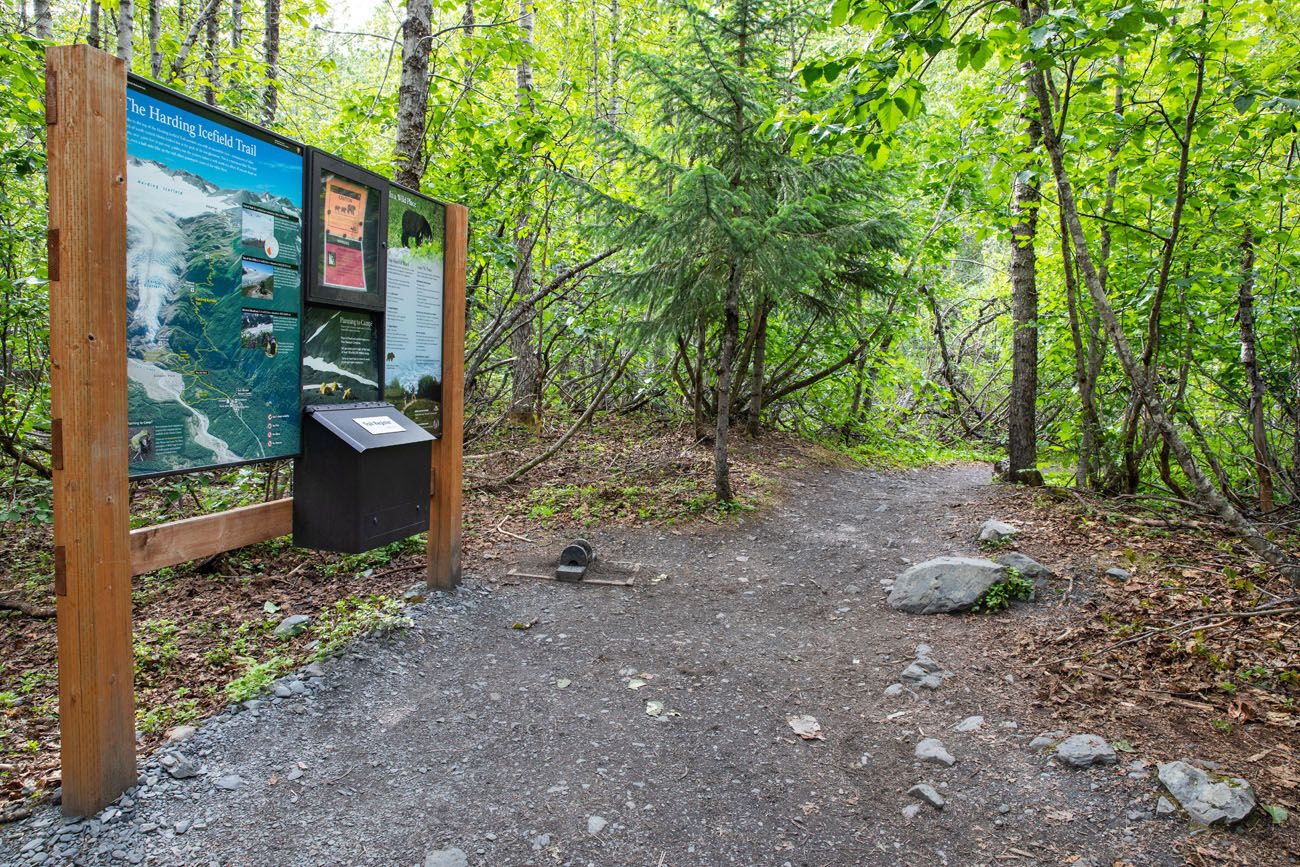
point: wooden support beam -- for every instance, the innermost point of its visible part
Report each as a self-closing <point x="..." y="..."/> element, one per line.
<point x="448" y="466"/>
<point x="85" y="109"/>
<point x="194" y="538"/>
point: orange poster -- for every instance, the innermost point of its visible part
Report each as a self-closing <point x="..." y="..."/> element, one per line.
<point x="345" y="209"/>
<point x="345" y="229"/>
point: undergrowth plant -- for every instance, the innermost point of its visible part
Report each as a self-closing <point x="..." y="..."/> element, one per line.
<point x="1012" y="588"/>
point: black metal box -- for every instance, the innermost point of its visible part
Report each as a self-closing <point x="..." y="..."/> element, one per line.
<point x="362" y="480"/>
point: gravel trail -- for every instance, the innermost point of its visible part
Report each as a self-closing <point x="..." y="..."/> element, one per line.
<point x="530" y="745"/>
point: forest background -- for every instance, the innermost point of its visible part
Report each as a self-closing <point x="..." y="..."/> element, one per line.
<point x="1063" y="236"/>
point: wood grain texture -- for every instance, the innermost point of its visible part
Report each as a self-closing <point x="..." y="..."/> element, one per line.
<point x="194" y="538"/>
<point x="86" y="118"/>
<point x="448" y="466"/>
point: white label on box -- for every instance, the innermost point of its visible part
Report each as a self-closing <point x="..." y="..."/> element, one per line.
<point x="379" y="424"/>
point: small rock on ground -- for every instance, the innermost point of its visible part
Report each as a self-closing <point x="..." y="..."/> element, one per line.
<point x="995" y="531"/>
<point x="932" y="750"/>
<point x="1084" y="751"/>
<point x="447" y="858"/>
<point x="1027" y="566"/>
<point x="926" y="792"/>
<point x="1210" y="800"/>
<point x="292" y="625"/>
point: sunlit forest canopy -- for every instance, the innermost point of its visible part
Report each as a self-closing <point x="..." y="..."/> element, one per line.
<point x="1063" y="234"/>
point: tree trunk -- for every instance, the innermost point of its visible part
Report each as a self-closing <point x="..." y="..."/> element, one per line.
<point x="756" y="376"/>
<point x="730" y="335"/>
<point x="125" y="30"/>
<point x="93" y="35"/>
<point x="859" y="371"/>
<point x="614" y="107"/>
<point x="1022" y="428"/>
<point x="155" y="30"/>
<point x="42" y="21"/>
<point x="1295" y="396"/>
<point x="698" y="398"/>
<point x="236" y="24"/>
<point x="213" y="72"/>
<point x="271" y="49"/>
<point x="524" y="403"/>
<point x="1133" y="368"/>
<point x="1089" y="427"/>
<point x="413" y="93"/>
<point x="1250" y="361"/>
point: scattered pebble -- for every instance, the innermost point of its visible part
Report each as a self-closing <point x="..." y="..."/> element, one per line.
<point x="933" y="751"/>
<point x="925" y="792"/>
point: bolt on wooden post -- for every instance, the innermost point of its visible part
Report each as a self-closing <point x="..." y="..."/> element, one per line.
<point x="86" y="120"/>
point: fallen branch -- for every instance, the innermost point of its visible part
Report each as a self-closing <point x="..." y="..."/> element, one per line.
<point x="568" y="434"/>
<point x="502" y="529"/>
<point x="1266" y="610"/>
<point x="41" y="612"/>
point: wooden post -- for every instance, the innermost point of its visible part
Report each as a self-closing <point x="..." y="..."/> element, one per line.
<point x="445" y="488"/>
<point x="85" y="110"/>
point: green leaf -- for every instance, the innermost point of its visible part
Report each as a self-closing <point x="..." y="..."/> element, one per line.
<point x="1243" y="102"/>
<point x="839" y="12"/>
<point x="1275" y="812"/>
<point x="1123" y="747"/>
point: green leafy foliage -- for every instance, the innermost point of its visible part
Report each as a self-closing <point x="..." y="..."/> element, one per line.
<point x="999" y="596"/>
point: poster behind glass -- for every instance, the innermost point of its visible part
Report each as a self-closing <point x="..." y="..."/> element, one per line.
<point x="340" y="356"/>
<point x="413" y="310"/>
<point x="350" y="236"/>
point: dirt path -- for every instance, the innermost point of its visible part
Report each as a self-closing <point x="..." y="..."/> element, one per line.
<point x="527" y="746"/>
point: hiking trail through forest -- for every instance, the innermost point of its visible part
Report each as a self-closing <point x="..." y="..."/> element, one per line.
<point x="542" y="723"/>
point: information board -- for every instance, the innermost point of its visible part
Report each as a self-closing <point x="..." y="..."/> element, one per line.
<point x="340" y="357"/>
<point x="214" y="257"/>
<point x="413" y="311"/>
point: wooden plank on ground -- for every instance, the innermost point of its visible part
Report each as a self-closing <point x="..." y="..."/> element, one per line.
<point x="86" y="120"/>
<point x="445" y="488"/>
<point x="194" y="538"/>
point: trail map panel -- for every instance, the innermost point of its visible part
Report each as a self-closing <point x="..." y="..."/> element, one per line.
<point x="413" y="312"/>
<point x="214" y="258"/>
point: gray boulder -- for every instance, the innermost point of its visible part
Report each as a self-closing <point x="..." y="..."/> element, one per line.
<point x="996" y="531"/>
<point x="944" y="585"/>
<point x="1084" y="751"/>
<point x="1028" y="567"/>
<point x="1210" y="800"/>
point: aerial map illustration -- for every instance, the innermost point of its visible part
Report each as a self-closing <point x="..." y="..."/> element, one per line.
<point x="214" y="252"/>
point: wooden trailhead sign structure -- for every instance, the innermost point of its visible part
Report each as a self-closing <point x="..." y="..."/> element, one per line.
<point x="221" y="295"/>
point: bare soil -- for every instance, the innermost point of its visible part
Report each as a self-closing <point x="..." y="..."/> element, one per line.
<point x="504" y="720"/>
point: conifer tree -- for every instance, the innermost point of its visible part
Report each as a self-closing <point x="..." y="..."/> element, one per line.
<point x="731" y="222"/>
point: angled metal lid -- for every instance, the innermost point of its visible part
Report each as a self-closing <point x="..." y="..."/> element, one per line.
<point x="368" y="426"/>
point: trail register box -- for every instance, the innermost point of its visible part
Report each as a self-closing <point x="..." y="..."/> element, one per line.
<point x="362" y="480"/>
